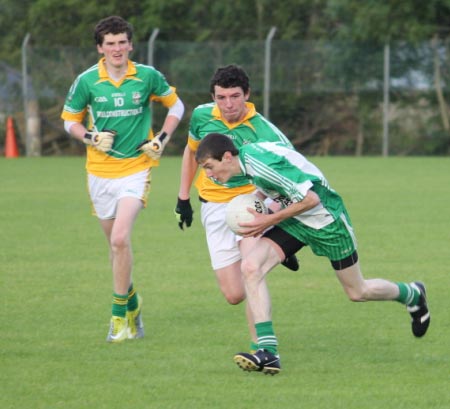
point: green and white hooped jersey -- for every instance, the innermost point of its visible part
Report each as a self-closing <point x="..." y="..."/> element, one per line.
<point x="283" y="173"/>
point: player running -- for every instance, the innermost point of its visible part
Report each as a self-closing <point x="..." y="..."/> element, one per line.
<point x="230" y="113"/>
<point x="313" y="215"/>
<point x="115" y="96"/>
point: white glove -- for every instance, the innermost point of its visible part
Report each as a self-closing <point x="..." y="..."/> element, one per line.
<point x="103" y="141"/>
<point x="154" y="147"/>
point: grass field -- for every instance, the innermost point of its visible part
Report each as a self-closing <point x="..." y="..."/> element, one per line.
<point x="56" y="293"/>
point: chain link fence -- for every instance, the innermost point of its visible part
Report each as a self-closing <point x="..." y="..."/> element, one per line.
<point x="329" y="98"/>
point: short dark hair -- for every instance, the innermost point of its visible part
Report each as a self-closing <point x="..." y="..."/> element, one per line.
<point x="214" y="145"/>
<point x="230" y="76"/>
<point x="112" y="25"/>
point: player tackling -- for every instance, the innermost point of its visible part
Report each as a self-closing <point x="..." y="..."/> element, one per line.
<point x="233" y="114"/>
<point x="314" y="215"/>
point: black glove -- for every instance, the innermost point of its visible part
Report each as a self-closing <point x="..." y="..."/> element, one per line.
<point x="184" y="212"/>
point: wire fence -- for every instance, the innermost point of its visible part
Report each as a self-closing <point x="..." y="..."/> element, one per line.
<point x="328" y="97"/>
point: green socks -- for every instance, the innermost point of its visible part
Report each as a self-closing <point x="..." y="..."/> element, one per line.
<point x="132" y="299"/>
<point x="408" y="295"/>
<point x="119" y="305"/>
<point x="124" y="302"/>
<point x="266" y="337"/>
<point x="253" y="347"/>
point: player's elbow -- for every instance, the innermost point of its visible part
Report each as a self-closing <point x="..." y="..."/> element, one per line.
<point x="311" y="200"/>
<point x="177" y="109"/>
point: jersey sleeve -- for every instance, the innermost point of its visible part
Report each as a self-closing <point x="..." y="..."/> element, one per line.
<point x="77" y="99"/>
<point x="278" y="169"/>
<point x="161" y="91"/>
<point x="195" y="124"/>
<point x="166" y="100"/>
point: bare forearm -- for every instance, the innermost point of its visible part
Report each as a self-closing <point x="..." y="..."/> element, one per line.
<point x="263" y="221"/>
<point x="170" y="124"/>
<point x="77" y="131"/>
<point x="310" y="201"/>
<point x="188" y="170"/>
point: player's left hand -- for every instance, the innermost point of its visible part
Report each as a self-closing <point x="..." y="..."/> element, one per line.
<point x="154" y="147"/>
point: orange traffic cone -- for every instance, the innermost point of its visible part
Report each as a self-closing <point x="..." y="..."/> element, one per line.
<point x="11" y="148"/>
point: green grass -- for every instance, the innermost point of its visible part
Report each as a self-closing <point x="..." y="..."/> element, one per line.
<point x="56" y="293"/>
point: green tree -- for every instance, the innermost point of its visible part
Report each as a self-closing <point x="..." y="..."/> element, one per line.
<point x="13" y="27"/>
<point x="327" y="88"/>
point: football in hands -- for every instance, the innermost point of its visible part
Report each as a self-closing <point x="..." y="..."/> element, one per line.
<point x="237" y="210"/>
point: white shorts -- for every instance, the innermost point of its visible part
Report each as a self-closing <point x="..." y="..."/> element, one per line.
<point x="106" y="193"/>
<point x="222" y="242"/>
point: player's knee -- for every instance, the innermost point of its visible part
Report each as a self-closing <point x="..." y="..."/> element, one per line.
<point x="233" y="294"/>
<point x="119" y="242"/>
<point x="356" y="294"/>
<point x="355" y="297"/>
<point x="234" y="298"/>
<point x="231" y="284"/>
<point x="250" y="269"/>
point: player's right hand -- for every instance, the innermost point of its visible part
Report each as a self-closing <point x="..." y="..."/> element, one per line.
<point x="183" y="213"/>
<point x="103" y="141"/>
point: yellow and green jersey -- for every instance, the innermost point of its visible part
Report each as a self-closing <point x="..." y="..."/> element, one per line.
<point x="252" y="128"/>
<point x="123" y="106"/>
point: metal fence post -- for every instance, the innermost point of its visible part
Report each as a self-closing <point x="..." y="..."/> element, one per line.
<point x="31" y="109"/>
<point x="151" y="46"/>
<point x="385" y="147"/>
<point x="32" y="120"/>
<point x="267" y="62"/>
<point x="25" y="88"/>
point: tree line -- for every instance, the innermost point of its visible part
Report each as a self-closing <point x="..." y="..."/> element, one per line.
<point x="56" y="23"/>
<point x="318" y="123"/>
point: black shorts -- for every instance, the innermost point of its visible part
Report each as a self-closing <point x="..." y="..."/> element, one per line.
<point x="290" y="245"/>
